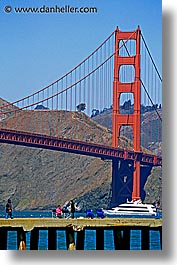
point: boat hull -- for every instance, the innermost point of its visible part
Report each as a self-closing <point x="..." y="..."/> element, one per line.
<point x="132" y="208"/>
<point x="113" y="214"/>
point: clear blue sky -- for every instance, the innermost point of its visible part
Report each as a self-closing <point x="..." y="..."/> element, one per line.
<point x="37" y="49"/>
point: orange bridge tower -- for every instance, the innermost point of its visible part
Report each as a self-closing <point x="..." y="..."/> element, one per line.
<point x="118" y="119"/>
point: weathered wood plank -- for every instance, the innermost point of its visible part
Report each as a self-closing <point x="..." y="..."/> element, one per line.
<point x="21" y="239"/>
<point x="52" y="239"/>
<point x="70" y="239"/>
<point x="145" y="238"/>
<point x="99" y="239"/>
<point x="121" y="238"/>
<point x="3" y="239"/>
<point x="34" y="239"/>
<point x="80" y="240"/>
<point x="30" y="223"/>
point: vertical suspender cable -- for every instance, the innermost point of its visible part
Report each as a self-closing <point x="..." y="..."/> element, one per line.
<point x="70" y="109"/>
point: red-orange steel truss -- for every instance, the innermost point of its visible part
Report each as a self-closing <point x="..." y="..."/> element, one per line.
<point x="119" y="119"/>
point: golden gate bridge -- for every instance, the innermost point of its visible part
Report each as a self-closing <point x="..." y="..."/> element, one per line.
<point x="121" y="78"/>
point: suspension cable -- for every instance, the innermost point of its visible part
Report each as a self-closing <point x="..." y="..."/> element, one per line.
<point x="150" y="99"/>
<point x="151" y="58"/>
<point x="46" y="87"/>
<point x="69" y="86"/>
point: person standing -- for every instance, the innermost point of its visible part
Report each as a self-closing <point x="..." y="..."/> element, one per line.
<point x="59" y="211"/>
<point x="72" y="208"/>
<point x="9" y="209"/>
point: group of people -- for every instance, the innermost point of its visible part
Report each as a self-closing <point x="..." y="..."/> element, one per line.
<point x="60" y="211"/>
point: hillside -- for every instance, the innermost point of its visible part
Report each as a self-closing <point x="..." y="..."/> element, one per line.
<point x="37" y="179"/>
<point x="6" y="106"/>
<point x="151" y="128"/>
<point x="40" y="179"/>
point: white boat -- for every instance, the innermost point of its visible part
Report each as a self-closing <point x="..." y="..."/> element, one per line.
<point x="134" y="208"/>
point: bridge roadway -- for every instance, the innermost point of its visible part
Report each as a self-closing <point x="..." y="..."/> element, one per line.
<point x="121" y="231"/>
<point x="77" y="147"/>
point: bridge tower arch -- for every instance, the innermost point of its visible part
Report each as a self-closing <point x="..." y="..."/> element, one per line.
<point x="134" y="87"/>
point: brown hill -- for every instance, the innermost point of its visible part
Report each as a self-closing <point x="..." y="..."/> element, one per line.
<point x="6" y="106"/>
<point x="151" y="128"/>
<point x="40" y="179"/>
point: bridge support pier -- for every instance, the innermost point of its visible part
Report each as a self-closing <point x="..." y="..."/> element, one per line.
<point x="123" y="173"/>
<point x="122" y="176"/>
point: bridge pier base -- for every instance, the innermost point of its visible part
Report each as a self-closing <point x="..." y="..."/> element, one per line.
<point x="122" y="181"/>
<point x="122" y="175"/>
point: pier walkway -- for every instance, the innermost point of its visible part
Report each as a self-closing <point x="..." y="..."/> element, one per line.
<point x="121" y="231"/>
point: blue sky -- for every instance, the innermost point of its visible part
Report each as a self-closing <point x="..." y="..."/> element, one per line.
<point x="36" y="49"/>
